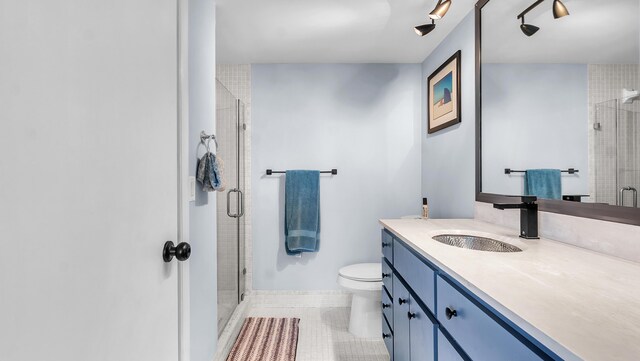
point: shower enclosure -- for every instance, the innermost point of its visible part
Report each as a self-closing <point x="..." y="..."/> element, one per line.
<point x="230" y="132"/>
<point x="617" y="152"/>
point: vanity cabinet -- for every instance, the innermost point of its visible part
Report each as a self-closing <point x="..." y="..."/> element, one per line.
<point x="427" y="316"/>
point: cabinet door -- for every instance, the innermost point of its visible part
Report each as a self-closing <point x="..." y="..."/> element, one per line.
<point x="421" y="331"/>
<point x="400" y="321"/>
<point x="446" y="352"/>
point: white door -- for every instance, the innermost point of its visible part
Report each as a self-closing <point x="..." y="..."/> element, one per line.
<point x="88" y="180"/>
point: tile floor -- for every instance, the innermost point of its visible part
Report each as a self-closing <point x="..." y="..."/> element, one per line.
<point x="324" y="336"/>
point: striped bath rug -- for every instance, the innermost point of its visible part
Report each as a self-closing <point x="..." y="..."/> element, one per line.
<point x="266" y="339"/>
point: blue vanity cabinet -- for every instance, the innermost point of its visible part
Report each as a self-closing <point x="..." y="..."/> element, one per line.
<point x="401" y="340"/>
<point x="433" y="318"/>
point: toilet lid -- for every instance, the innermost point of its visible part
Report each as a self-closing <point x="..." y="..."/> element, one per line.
<point x="363" y="272"/>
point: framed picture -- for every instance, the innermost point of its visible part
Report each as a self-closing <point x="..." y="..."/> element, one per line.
<point x="443" y="95"/>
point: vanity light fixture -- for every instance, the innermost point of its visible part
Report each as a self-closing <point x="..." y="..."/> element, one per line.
<point x="440" y="10"/>
<point x="528" y="29"/>
<point x="437" y="13"/>
<point x="425" y="29"/>
<point x="559" y="10"/>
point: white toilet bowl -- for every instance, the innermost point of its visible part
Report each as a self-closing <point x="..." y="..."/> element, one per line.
<point x="364" y="281"/>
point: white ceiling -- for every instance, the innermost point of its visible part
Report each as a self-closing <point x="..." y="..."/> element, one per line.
<point x="329" y="31"/>
<point x="596" y="32"/>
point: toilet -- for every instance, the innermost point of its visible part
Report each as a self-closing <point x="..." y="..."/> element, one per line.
<point x="364" y="281"/>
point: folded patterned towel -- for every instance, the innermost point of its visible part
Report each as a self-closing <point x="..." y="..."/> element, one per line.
<point x="209" y="173"/>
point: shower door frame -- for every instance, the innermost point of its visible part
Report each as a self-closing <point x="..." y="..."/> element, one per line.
<point x="238" y="187"/>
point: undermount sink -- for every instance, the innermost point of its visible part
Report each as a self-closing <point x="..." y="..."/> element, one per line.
<point x="476" y="243"/>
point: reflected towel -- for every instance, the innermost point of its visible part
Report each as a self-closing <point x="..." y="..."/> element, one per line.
<point x="543" y="183"/>
<point x="302" y="211"/>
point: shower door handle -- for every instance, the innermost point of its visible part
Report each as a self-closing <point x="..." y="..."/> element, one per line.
<point x="240" y="203"/>
<point x="634" y="194"/>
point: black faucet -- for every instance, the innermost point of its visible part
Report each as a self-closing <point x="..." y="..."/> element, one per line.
<point x="528" y="215"/>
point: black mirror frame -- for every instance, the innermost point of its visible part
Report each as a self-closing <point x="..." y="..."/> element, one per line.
<point x="604" y="212"/>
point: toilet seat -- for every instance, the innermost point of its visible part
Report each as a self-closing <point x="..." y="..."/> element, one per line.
<point x="362" y="272"/>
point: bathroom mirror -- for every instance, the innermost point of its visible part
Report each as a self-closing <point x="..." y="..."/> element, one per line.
<point x="556" y="88"/>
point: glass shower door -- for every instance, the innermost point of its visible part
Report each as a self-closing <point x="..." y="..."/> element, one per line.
<point x="617" y="153"/>
<point x="230" y="203"/>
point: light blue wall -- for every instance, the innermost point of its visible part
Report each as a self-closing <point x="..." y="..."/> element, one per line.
<point x="448" y="156"/>
<point x="202" y="212"/>
<point x="534" y="116"/>
<point x="363" y="119"/>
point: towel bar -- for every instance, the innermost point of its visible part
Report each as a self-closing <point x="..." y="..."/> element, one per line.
<point x="570" y="171"/>
<point x="271" y="171"/>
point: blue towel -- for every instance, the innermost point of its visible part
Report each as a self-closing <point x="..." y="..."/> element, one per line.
<point x="302" y="211"/>
<point x="543" y="183"/>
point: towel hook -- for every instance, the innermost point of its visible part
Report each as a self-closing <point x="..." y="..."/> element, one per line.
<point x="204" y="136"/>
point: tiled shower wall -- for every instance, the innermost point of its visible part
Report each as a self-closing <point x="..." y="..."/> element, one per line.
<point x="237" y="79"/>
<point x="606" y="82"/>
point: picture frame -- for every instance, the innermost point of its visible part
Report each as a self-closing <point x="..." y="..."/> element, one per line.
<point x="443" y="95"/>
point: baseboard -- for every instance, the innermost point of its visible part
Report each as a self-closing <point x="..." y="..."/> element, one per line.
<point x="300" y="298"/>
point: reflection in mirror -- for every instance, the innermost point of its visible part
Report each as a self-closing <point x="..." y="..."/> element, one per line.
<point x="560" y="98"/>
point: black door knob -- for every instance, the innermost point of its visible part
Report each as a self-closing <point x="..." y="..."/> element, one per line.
<point x="411" y="315"/>
<point x="386" y="335"/>
<point x="401" y="301"/>
<point x="386" y="305"/>
<point x="386" y="244"/>
<point x="385" y="275"/>
<point x="449" y="312"/>
<point x="182" y="251"/>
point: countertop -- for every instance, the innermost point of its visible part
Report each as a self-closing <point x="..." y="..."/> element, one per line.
<point x="580" y="304"/>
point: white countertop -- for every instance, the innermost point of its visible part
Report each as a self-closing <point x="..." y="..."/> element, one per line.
<point x="580" y="304"/>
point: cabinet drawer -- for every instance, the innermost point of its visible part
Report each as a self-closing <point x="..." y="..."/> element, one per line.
<point x="387" y="277"/>
<point x="387" y="307"/>
<point x="477" y="333"/>
<point x="418" y="275"/>
<point x="387" y="245"/>
<point x="446" y="352"/>
<point x="387" y="337"/>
